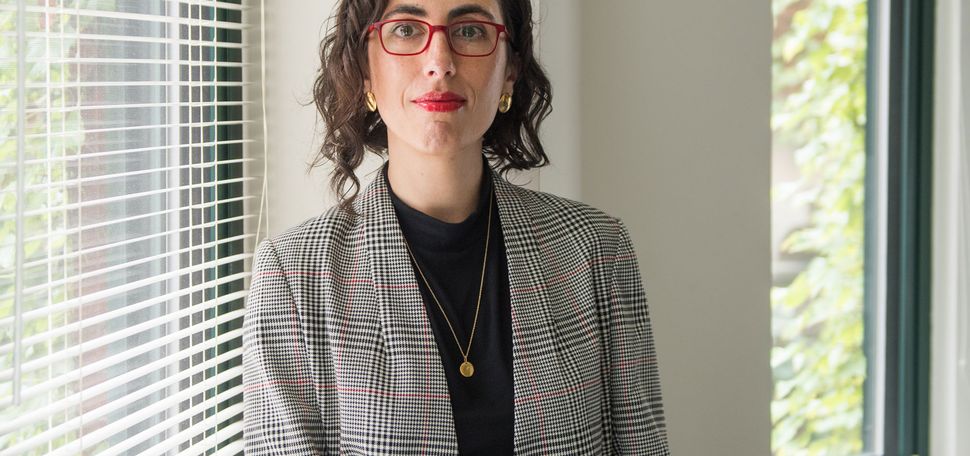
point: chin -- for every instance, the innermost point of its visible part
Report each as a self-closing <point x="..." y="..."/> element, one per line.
<point x="440" y="137"/>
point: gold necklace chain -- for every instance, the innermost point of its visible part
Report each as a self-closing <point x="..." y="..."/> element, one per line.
<point x="466" y="368"/>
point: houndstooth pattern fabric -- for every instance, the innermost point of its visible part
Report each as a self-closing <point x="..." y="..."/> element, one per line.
<point x="339" y="356"/>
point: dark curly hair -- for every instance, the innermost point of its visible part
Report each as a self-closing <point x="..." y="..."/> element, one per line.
<point x="513" y="137"/>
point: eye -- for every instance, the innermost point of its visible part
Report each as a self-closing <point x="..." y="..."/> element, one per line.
<point x="470" y="31"/>
<point x="406" y="29"/>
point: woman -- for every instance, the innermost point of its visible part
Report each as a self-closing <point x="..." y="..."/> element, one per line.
<point x="444" y="310"/>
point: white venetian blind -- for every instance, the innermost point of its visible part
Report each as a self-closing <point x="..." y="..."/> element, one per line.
<point x="123" y="230"/>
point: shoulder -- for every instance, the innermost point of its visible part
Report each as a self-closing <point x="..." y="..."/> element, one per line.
<point x="560" y="218"/>
<point x="331" y="229"/>
<point x="564" y="208"/>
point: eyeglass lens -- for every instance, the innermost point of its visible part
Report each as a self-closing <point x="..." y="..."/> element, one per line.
<point x="467" y="38"/>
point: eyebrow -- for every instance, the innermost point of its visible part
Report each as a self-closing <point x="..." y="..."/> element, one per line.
<point x="456" y="12"/>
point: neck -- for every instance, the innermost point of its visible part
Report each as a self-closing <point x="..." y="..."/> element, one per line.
<point x="443" y="185"/>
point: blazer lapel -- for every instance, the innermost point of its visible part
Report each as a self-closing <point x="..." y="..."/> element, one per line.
<point x="414" y="365"/>
<point x="414" y="377"/>
<point x="534" y="345"/>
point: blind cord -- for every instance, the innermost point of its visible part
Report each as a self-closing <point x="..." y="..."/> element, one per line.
<point x="264" y="197"/>
<point x="963" y="287"/>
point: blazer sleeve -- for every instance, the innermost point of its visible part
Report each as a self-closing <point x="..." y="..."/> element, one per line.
<point x="636" y="409"/>
<point x="280" y="410"/>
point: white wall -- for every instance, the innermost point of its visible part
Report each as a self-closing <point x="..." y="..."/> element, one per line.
<point x="292" y="37"/>
<point x="558" y="45"/>
<point x="660" y="117"/>
<point x="676" y="102"/>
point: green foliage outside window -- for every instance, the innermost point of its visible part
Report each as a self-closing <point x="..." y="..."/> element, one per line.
<point x="819" y="112"/>
<point x="65" y="139"/>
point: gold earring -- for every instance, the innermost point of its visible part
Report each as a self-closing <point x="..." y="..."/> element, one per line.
<point x="371" y="101"/>
<point x="505" y="102"/>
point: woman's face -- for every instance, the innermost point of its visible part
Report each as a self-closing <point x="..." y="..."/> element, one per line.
<point x="399" y="82"/>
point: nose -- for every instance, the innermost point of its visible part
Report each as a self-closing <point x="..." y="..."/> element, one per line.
<point x="439" y="61"/>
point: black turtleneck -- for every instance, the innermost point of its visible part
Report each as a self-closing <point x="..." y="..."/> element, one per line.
<point x="450" y="255"/>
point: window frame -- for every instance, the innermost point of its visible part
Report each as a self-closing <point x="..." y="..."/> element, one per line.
<point x="909" y="225"/>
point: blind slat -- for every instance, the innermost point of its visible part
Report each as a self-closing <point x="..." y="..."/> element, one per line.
<point x="134" y="128"/>
<point x="83" y="180"/>
<point x="98" y="435"/>
<point x="54" y="36"/>
<point x="99" y="342"/>
<point x="122" y="220"/>
<point x="116" y="313"/>
<point x="185" y="104"/>
<point x="113" y="268"/>
<point x="115" y="291"/>
<point x="113" y="337"/>
<point x="160" y="62"/>
<point x="183" y="271"/>
<point x="103" y="433"/>
<point x="108" y="13"/>
<point x="110" y="153"/>
<point x="203" y="426"/>
<point x="150" y="280"/>
<point x="130" y="196"/>
<point x="128" y="242"/>
<point x="207" y="423"/>
<point x="79" y="84"/>
<point x="106" y="294"/>
<point x="8" y="320"/>
<point x="119" y="381"/>
<point x="150" y="18"/>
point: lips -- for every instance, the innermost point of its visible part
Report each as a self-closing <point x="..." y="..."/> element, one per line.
<point x="440" y="101"/>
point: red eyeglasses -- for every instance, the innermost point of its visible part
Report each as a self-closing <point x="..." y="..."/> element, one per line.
<point x="413" y="36"/>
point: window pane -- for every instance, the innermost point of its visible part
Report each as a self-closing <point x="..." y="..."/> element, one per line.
<point x="820" y="360"/>
<point x="121" y="236"/>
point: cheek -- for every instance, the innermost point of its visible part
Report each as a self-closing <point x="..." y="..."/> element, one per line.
<point x="388" y="78"/>
<point x="381" y="68"/>
<point x="491" y="87"/>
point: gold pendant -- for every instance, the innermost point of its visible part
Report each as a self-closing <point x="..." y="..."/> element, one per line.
<point x="467" y="369"/>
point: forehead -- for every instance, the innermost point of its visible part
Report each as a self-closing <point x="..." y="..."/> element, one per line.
<point x="443" y="9"/>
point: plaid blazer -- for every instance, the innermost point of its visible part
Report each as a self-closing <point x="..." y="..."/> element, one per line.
<point x="339" y="356"/>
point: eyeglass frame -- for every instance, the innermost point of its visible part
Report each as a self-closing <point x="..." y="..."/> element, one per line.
<point x="434" y="28"/>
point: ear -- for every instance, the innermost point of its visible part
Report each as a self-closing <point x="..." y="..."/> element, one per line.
<point x="511" y="74"/>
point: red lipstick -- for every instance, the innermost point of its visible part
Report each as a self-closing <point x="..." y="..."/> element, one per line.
<point x="440" y="101"/>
